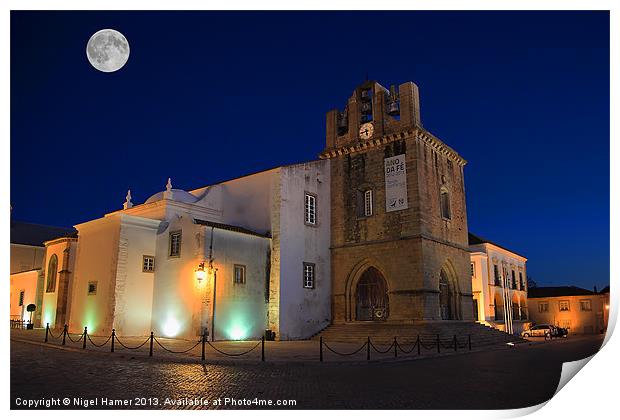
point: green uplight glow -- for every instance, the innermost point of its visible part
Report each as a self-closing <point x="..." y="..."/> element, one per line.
<point x="236" y="332"/>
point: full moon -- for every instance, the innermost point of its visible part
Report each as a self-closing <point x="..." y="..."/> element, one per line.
<point x="107" y="50"/>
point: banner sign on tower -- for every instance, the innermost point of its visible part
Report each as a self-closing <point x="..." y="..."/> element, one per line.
<point x="395" y="183"/>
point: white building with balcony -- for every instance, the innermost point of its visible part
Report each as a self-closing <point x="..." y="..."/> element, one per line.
<point x="499" y="285"/>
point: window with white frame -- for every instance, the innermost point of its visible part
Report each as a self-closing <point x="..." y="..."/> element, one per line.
<point x="368" y="203"/>
<point x="175" y="244"/>
<point x="239" y="274"/>
<point x="309" y="275"/>
<point x="148" y="263"/>
<point x="564" y="306"/>
<point x="585" y="305"/>
<point x="543" y="306"/>
<point x="310" y="209"/>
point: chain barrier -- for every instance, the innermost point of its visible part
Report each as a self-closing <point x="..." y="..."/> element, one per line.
<point x="55" y="336"/>
<point x="344" y="354"/>
<point x="130" y="347"/>
<point x="98" y="345"/>
<point x="176" y="351"/>
<point x="75" y="341"/>
<point x="231" y="354"/>
<point x="382" y="351"/>
<point x="416" y="344"/>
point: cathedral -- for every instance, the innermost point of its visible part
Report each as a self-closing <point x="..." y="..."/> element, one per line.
<point x="374" y="230"/>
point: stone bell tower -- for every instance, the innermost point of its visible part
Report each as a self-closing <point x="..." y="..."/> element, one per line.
<point x="399" y="224"/>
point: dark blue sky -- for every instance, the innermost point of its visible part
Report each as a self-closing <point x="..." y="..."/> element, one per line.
<point x="207" y="96"/>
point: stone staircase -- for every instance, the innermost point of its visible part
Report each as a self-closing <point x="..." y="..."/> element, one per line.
<point x="384" y="333"/>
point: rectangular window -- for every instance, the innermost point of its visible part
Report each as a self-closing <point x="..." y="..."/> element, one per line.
<point x="473" y="269"/>
<point x="514" y="280"/>
<point x="586" y="305"/>
<point x="175" y="244"/>
<point x="92" y="288"/>
<point x="148" y="263"/>
<point x="239" y="274"/>
<point x="445" y="205"/>
<point x="310" y="209"/>
<point x="368" y="203"/>
<point x="543" y="306"/>
<point x="564" y="306"/>
<point x="21" y="297"/>
<point x="496" y="274"/>
<point x="308" y="275"/>
<point x="521" y="285"/>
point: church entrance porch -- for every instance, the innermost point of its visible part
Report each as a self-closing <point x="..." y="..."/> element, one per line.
<point x="371" y="299"/>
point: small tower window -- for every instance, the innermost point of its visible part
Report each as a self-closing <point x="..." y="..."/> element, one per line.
<point x="368" y="203"/>
<point x="308" y="275"/>
<point x="445" y="204"/>
<point x="239" y="274"/>
<point x="310" y="209"/>
<point x="175" y="244"/>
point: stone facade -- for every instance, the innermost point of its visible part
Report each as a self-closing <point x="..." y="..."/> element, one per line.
<point x="420" y="252"/>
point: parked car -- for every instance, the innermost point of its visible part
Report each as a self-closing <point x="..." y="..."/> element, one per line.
<point x="541" y="330"/>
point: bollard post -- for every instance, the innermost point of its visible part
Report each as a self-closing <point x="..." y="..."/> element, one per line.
<point x="112" y="345"/>
<point x="262" y="349"/>
<point x="47" y="330"/>
<point x="469" y="341"/>
<point x="395" y="349"/>
<point x="85" y="334"/>
<point x="368" y="348"/>
<point x="438" y="344"/>
<point x="418" y="344"/>
<point x="151" y="346"/>
<point x="455" y="342"/>
<point x="321" y="349"/>
<point x="64" y="334"/>
<point x="204" y="338"/>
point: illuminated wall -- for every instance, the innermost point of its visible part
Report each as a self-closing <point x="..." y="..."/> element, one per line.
<point x="26" y="281"/>
<point x="133" y="287"/>
<point x="575" y="319"/>
<point x="51" y="309"/>
<point x="96" y="263"/>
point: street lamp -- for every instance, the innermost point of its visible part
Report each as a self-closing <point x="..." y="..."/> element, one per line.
<point x="200" y="273"/>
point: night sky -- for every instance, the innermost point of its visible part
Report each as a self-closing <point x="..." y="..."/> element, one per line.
<point x="208" y="96"/>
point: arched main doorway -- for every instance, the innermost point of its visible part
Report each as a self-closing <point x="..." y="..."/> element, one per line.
<point x="371" y="299"/>
<point x="446" y="297"/>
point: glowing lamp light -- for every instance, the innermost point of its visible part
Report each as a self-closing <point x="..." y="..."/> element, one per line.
<point x="200" y="273"/>
<point x="606" y="306"/>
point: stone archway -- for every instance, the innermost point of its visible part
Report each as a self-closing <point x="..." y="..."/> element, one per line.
<point x="371" y="296"/>
<point x="448" y="294"/>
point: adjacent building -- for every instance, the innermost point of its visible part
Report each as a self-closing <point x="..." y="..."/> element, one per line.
<point x="499" y="285"/>
<point x="581" y="311"/>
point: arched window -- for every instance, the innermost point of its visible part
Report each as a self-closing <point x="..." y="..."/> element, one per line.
<point x="52" y="271"/>
<point x="445" y="204"/>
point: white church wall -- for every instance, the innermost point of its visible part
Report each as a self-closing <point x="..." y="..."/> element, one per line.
<point x="246" y="201"/>
<point x="175" y="297"/>
<point x="133" y="286"/>
<point x="96" y="263"/>
<point x="303" y="312"/>
<point x="240" y="309"/>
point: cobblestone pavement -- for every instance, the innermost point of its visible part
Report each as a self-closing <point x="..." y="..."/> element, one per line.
<point x="509" y="378"/>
